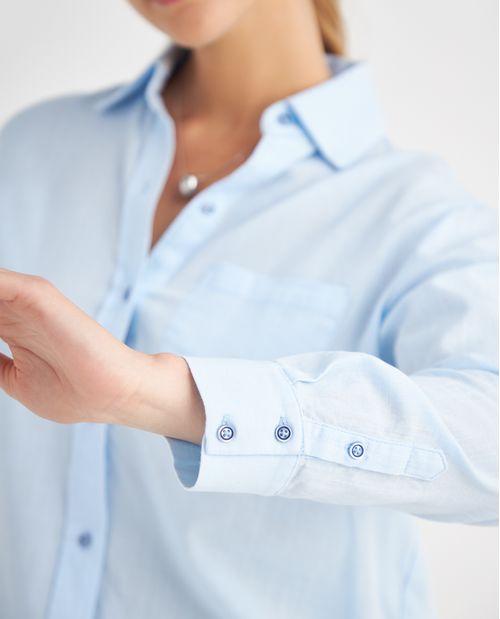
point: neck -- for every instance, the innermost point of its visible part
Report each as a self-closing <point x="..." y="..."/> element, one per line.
<point x="273" y="51"/>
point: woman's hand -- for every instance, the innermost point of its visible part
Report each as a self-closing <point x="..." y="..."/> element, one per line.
<point x="67" y="368"/>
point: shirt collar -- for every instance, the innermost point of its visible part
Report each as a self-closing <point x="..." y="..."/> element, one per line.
<point x="342" y="115"/>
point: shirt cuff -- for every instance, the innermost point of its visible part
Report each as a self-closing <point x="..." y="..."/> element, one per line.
<point x="253" y="434"/>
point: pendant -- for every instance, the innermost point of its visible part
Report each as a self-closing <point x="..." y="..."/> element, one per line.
<point x="188" y="184"/>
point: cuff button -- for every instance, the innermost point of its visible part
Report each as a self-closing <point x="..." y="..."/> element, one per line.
<point x="225" y="433"/>
<point x="356" y="450"/>
<point x="282" y="433"/>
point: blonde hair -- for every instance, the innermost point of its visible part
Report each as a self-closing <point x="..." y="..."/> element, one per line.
<point x="331" y="26"/>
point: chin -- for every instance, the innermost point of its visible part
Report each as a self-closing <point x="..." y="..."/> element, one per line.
<point x="192" y="23"/>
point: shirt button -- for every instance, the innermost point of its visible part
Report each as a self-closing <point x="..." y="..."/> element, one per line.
<point x="285" y="118"/>
<point x="282" y="433"/>
<point x="127" y="292"/>
<point x="225" y="433"/>
<point x="85" y="539"/>
<point x="207" y="208"/>
<point x="356" y="450"/>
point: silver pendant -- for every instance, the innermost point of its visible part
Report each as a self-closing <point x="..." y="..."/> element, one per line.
<point x="188" y="184"/>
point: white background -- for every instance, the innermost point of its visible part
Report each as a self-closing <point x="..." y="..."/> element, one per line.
<point x="435" y="68"/>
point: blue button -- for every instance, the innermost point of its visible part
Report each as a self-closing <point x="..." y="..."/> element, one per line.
<point x="283" y="433"/>
<point x="85" y="539"/>
<point x="225" y="433"/>
<point x="127" y="292"/>
<point x="356" y="450"/>
<point x="207" y="208"/>
<point x="285" y="118"/>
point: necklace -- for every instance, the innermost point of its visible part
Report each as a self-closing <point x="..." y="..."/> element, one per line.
<point x="189" y="182"/>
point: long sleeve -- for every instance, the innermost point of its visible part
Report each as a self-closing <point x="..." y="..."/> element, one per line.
<point x="413" y="428"/>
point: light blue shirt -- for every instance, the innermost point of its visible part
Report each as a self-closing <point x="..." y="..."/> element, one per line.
<point x="335" y="298"/>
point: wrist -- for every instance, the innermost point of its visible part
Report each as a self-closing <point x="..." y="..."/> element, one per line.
<point x="166" y="400"/>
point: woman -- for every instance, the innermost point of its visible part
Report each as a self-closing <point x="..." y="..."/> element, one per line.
<point x="230" y="254"/>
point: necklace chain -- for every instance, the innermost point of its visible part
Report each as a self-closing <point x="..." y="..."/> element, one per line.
<point x="189" y="183"/>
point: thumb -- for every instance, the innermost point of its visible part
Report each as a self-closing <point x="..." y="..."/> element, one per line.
<point x="7" y="371"/>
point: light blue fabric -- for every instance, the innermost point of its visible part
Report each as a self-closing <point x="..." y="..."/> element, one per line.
<point x="333" y="284"/>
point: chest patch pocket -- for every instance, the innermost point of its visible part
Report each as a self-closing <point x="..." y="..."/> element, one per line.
<point x="233" y="311"/>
